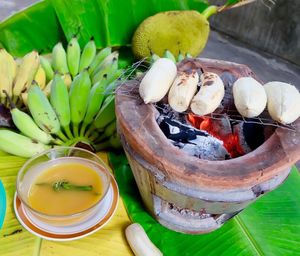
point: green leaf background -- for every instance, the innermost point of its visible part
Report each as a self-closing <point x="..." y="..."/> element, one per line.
<point x="271" y="226"/>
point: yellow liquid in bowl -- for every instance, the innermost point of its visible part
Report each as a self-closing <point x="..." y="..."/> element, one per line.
<point x="43" y="198"/>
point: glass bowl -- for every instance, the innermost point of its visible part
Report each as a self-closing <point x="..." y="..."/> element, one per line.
<point x="43" y="161"/>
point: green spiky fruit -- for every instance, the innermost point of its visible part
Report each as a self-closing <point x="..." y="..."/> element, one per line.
<point x="177" y="31"/>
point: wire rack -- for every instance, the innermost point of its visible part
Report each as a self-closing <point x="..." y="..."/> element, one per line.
<point x="229" y="112"/>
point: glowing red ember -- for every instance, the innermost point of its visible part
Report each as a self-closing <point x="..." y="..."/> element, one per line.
<point x="220" y="129"/>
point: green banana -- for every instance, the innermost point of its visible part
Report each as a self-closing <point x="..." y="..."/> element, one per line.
<point x="47" y="68"/>
<point x="26" y="72"/>
<point x="8" y="69"/>
<point x="20" y="145"/>
<point x="99" y="58"/>
<point x="109" y="59"/>
<point x="88" y="55"/>
<point x="96" y="97"/>
<point x="106" y="113"/>
<point x="41" y="111"/>
<point x="59" y="99"/>
<point x="180" y="57"/>
<point x="59" y="59"/>
<point x="188" y="55"/>
<point x="169" y="56"/>
<point x="73" y="56"/>
<point x="26" y="125"/>
<point x="108" y="68"/>
<point x="79" y="94"/>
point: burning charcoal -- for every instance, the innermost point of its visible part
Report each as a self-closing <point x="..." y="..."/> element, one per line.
<point x="249" y="136"/>
<point x="208" y="148"/>
<point x="176" y="131"/>
<point x="166" y="111"/>
<point x="5" y="117"/>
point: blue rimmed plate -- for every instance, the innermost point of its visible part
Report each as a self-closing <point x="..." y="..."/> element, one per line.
<point x="2" y="204"/>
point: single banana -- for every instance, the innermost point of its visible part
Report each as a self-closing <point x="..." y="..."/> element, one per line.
<point x="8" y="69"/>
<point x="169" y="56"/>
<point x="283" y="101"/>
<point x="28" y="127"/>
<point x="106" y="113"/>
<point x="96" y="97"/>
<point x="180" y="57"/>
<point x="210" y="94"/>
<point x="157" y="81"/>
<point x="139" y="242"/>
<point x="26" y="73"/>
<point x="107" y="61"/>
<point x="249" y="96"/>
<point x="99" y="58"/>
<point x="59" y="99"/>
<point x="88" y="55"/>
<point x="183" y="90"/>
<point x="20" y="145"/>
<point x="59" y="59"/>
<point x="107" y="69"/>
<point x="79" y="95"/>
<point x="45" y="63"/>
<point x="40" y="77"/>
<point x="41" y="111"/>
<point x="73" y="56"/>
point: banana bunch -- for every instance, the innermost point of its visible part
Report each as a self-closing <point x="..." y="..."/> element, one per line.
<point x="63" y="98"/>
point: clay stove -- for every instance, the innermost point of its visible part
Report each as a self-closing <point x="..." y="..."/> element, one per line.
<point x="192" y="195"/>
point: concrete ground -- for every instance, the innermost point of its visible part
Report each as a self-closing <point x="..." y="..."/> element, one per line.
<point x="219" y="46"/>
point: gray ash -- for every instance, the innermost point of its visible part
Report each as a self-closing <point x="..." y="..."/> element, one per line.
<point x="194" y="142"/>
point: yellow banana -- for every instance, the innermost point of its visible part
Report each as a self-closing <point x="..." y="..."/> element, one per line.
<point x="40" y="77"/>
<point x="8" y="69"/>
<point x="26" y="73"/>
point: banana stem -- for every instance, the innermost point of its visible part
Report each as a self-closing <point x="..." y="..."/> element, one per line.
<point x="68" y="132"/>
<point x="61" y="136"/>
<point x="211" y="10"/>
<point x="75" y="130"/>
<point x="82" y="130"/>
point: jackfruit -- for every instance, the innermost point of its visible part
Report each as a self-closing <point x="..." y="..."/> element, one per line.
<point x="180" y="32"/>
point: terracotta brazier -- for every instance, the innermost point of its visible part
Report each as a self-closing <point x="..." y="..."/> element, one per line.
<point x="191" y="195"/>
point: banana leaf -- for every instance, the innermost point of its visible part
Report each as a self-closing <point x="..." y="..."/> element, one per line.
<point x="112" y="22"/>
<point x="270" y="226"/>
<point x="36" y="27"/>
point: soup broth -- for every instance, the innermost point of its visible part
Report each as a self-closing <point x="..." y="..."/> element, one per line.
<point x="46" y="195"/>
